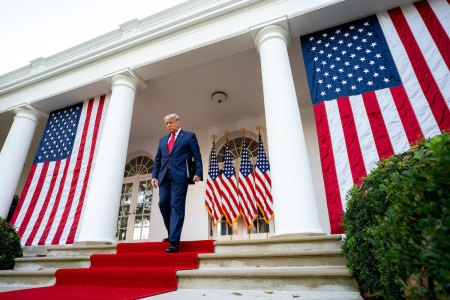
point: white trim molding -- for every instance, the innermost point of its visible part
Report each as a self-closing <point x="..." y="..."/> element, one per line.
<point x="29" y="112"/>
<point x="129" y="34"/>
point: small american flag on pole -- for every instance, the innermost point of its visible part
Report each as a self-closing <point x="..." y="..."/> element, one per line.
<point x="246" y="189"/>
<point x="228" y="188"/>
<point x="263" y="184"/>
<point x="213" y="198"/>
<point x="377" y="84"/>
<point x="51" y="205"/>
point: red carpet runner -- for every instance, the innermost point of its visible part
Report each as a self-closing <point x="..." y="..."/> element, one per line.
<point x="135" y="271"/>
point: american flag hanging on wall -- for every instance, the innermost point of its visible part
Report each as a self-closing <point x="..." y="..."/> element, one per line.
<point x="51" y="205"/>
<point x="377" y="84"/>
<point x="246" y="190"/>
<point x="263" y="183"/>
<point x="213" y="201"/>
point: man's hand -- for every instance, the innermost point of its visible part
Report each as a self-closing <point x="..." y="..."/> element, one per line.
<point x="196" y="178"/>
<point x="155" y="183"/>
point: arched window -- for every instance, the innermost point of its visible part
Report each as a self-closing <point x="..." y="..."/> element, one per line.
<point x="235" y="146"/>
<point x="140" y="165"/>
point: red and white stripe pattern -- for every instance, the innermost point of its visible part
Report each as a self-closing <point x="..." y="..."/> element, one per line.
<point x="213" y="198"/>
<point x="263" y="183"/>
<point x="51" y="205"/>
<point x="228" y="189"/>
<point x="357" y="131"/>
<point x="246" y="190"/>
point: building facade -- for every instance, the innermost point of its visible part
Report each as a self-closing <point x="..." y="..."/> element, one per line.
<point x="173" y="62"/>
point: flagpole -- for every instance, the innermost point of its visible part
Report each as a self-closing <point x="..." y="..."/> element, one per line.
<point x="226" y="134"/>
<point x="258" y="128"/>
<point x="214" y="136"/>
<point x="243" y="130"/>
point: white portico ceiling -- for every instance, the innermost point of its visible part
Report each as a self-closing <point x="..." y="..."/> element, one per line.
<point x="188" y="93"/>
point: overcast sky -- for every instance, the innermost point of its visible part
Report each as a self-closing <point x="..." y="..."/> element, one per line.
<point x="30" y="29"/>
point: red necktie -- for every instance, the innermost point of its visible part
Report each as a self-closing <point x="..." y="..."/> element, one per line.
<point x="171" y="141"/>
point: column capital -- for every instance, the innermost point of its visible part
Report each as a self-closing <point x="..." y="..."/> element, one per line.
<point x="124" y="80"/>
<point x="270" y="32"/>
<point x="125" y="77"/>
<point x="29" y="112"/>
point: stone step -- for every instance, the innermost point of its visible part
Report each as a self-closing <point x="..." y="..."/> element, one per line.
<point x="40" y="263"/>
<point x="67" y="250"/>
<point x="296" y="258"/>
<point x="14" y="280"/>
<point x="307" y="279"/>
<point x="286" y="244"/>
<point x="79" y="250"/>
<point x="266" y="294"/>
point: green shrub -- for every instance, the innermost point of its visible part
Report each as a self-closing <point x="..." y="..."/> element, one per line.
<point x="365" y="203"/>
<point x="397" y="225"/>
<point x="9" y="245"/>
<point x="413" y="241"/>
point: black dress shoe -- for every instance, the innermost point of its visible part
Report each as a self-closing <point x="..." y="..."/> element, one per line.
<point x="165" y="240"/>
<point x="173" y="248"/>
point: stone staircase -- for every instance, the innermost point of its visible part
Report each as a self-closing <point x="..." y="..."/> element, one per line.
<point x="306" y="264"/>
<point x="38" y="265"/>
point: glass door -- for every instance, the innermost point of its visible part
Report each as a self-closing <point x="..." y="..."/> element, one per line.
<point x="133" y="223"/>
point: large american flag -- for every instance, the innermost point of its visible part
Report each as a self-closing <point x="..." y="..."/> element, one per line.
<point x="246" y="189"/>
<point x="213" y="199"/>
<point x="377" y="84"/>
<point x="263" y="183"/>
<point x="51" y="205"/>
<point x="228" y="189"/>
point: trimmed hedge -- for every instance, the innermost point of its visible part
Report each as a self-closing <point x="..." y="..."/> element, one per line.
<point x="397" y="225"/>
<point x="9" y="245"/>
<point x="365" y="204"/>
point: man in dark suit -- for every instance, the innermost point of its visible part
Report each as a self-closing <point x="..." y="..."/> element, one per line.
<point x="170" y="172"/>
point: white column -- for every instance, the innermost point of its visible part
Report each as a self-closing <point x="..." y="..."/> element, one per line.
<point x="102" y="208"/>
<point x="14" y="153"/>
<point x="293" y="194"/>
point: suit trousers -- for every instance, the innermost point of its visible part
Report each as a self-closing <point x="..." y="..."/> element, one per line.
<point x="172" y="203"/>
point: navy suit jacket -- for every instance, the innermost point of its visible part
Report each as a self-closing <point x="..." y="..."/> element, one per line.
<point x="185" y="148"/>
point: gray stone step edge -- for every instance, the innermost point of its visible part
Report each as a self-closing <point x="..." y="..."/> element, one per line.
<point x="39" y="251"/>
<point x="226" y="272"/>
<point x="28" y="273"/>
<point x="268" y="254"/>
<point x="268" y="272"/>
<point x="281" y="240"/>
<point x="252" y="272"/>
<point x="51" y="258"/>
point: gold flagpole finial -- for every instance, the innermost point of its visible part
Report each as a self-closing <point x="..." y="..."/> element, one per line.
<point x="214" y="136"/>
<point x="243" y="130"/>
<point x="259" y="127"/>
<point x="226" y="134"/>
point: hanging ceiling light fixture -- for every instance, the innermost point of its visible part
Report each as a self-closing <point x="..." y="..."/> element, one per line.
<point x="219" y="97"/>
